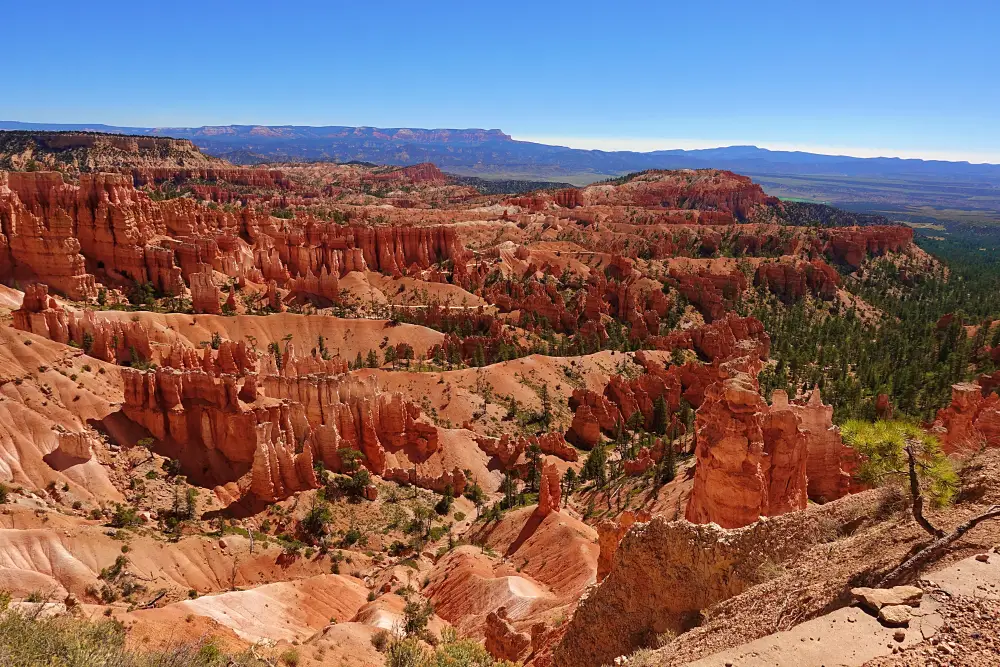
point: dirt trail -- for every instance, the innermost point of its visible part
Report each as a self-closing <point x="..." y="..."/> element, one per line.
<point x="850" y="637"/>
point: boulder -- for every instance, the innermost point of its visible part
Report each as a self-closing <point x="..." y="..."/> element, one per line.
<point x="874" y="599"/>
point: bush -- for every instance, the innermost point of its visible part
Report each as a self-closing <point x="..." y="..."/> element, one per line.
<point x="406" y="653"/>
<point x="416" y="616"/>
<point x="34" y="641"/>
<point x="124" y="516"/>
<point x="317" y="518"/>
<point x="443" y="506"/>
<point x="380" y="640"/>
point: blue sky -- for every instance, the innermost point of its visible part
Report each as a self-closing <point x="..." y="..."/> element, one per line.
<point x="918" y="79"/>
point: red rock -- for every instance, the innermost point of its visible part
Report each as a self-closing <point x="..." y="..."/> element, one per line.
<point x="206" y="297"/>
<point x="37" y="237"/>
<point x="585" y="430"/>
<point x="851" y="245"/>
<point x="609" y="535"/>
<point x="794" y="280"/>
<point x="502" y="641"/>
<point x="883" y="408"/>
<point x="970" y="421"/>
<point x="702" y="189"/>
<point x="751" y="460"/>
<point x="550" y="491"/>
<point x="830" y="463"/>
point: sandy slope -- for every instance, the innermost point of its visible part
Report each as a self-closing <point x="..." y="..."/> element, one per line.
<point x="535" y="567"/>
<point x="345" y="337"/>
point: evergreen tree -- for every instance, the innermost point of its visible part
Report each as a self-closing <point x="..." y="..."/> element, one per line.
<point x="595" y="467"/>
<point x="661" y="416"/>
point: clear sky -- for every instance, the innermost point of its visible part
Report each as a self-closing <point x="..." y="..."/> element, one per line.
<point x="913" y="78"/>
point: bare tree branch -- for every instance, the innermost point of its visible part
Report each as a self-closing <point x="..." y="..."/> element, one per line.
<point x="936" y="548"/>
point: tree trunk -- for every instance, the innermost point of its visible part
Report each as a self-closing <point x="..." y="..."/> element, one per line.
<point x="936" y="548"/>
<point x="918" y="497"/>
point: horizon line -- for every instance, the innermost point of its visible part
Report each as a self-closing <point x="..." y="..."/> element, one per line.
<point x="631" y="144"/>
<point x="652" y="144"/>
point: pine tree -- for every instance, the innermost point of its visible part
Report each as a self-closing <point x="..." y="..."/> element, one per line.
<point x="669" y="462"/>
<point x="534" y="457"/>
<point x="569" y="485"/>
<point x="661" y="416"/>
<point x="546" y="406"/>
<point x="596" y="466"/>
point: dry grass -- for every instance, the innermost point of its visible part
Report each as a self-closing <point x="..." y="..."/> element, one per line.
<point x="30" y="639"/>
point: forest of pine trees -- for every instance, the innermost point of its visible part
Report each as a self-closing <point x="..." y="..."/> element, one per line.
<point x="911" y="353"/>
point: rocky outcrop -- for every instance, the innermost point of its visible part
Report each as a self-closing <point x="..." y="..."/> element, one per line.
<point x="592" y="414"/>
<point x="708" y="189"/>
<point x="278" y="471"/>
<point x="508" y="450"/>
<point x="609" y="535"/>
<point x="325" y="286"/>
<point x="971" y="420"/>
<point x="712" y="293"/>
<point x="76" y="445"/>
<point x="206" y="297"/>
<point x="664" y="574"/>
<point x="105" y="230"/>
<point x="249" y="176"/>
<point x="108" y="340"/>
<point x="550" y="491"/>
<point x="851" y="245"/>
<point x="883" y="407"/>
<point x="751" y="458"/>
<point x="37" y="236"/>
<point x="830" y="464"/>
<point x="423" y="173"/>
<point x="585" y="429"/>
<point x="249" y="422"/>
<point x="348" y="411"/>
<point x="732" y="344"/>
<point x="453" y="482"/>
<point x="502" y="641"/>
<point x="555" y="444"/>
<point x="793" y="280"/>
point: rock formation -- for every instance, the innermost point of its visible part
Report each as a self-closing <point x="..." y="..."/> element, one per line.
<point x="709" y="189"/>
<point x="751" y="459"/>
<point x="971" y="421"/>
<point x="665" y="573"/>
<point x="503" y="642"/>
<point x="206" y="297"/>
<point x="108" y="340"/>
<point x="609" y="535"/>
<point x="550" y="490"/>
<point x="276" y="423"/>
<point x="793" y="280"/>
<point x="851" y="245"/>
<point x="830" y="463"/>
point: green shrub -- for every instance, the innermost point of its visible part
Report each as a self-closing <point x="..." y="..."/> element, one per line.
<point x="33" y="641"/>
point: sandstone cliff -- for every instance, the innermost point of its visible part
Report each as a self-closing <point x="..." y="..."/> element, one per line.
<point x="665" y="573"/>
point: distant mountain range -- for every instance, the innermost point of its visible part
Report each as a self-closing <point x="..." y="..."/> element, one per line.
<point x="492" y="150"/>
<point x="928" y="191"/>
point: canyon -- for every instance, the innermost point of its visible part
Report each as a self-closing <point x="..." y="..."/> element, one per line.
<point x="374" y="405"/>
